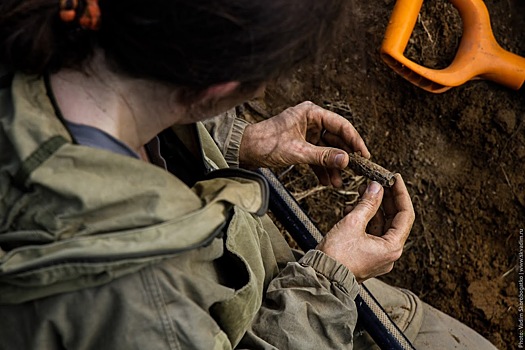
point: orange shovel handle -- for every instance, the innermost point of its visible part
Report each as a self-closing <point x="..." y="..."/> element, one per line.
<point x="479" y="56"/>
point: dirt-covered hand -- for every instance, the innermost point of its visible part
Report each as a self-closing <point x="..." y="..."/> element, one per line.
<point x="365" y="254"/>
<point x="304" y="134"/>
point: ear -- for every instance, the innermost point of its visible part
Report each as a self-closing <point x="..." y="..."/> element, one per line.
<point x="219" y="91"/>
<point x="213" y="99"/>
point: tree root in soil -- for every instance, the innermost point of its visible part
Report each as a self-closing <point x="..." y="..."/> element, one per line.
<point x="365" y="167"/>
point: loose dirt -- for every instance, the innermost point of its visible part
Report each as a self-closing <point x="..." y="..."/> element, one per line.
<point x="462" y="154"/>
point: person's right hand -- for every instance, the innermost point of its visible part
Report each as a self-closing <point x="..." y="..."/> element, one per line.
<point x="372" y="254"/>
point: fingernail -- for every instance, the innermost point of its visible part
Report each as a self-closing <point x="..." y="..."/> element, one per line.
<point x="374" y="187"/>
<point x="339" y="159"/>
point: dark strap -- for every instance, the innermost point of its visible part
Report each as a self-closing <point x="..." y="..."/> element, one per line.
<point x="38" y="157"/>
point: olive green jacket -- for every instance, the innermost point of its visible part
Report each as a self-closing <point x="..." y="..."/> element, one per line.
<point x="74" y="217"/>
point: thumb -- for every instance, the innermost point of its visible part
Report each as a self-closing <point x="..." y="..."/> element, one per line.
<point x="369" y="203"/>
<point x="327" y="157"/>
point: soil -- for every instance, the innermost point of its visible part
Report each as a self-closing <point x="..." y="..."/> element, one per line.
<point x="462" y="154"/>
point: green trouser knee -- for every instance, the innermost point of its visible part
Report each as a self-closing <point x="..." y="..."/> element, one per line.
<point x="425" y="326"/>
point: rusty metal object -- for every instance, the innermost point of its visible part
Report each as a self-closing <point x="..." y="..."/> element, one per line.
<point x="365" y="167"/>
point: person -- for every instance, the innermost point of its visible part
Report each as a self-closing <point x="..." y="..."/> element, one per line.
<point x="125" y="225"/>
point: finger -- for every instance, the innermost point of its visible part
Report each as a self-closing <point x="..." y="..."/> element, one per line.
<point x="341" y="127"/>
<point x="397" y="198"/>
<point x="322" y="175"/>
<point x="368" y="205"/>
<point x="335" y="124"/>
<point x="327" y="157"/>
<point x="343" y="143"/>
<point x="361" y="189"/>
<point x="388" y="203"/>
<point x="399" y="229"/>
<point x="382" y="270"/>
<point x="335" y="177"/>
<point x="377" y="223"/>
<point x="400" y="213"/>
<point x="387" y="268"/>
<point x="348" y="209"/>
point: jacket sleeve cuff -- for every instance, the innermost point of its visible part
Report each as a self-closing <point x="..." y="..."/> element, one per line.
<point x="227" y="130"/>
<point x="334" y="271"/>
<point x="232" y="150"/>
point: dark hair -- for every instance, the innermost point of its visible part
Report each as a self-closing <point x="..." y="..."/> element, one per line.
<point x="191" y="43"/>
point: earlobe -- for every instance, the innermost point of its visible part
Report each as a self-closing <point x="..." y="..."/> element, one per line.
<point x="209" y="102"/>
<point x="219" y="91"/>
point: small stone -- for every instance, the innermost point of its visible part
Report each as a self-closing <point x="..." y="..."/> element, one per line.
<point x="506" y="120"/>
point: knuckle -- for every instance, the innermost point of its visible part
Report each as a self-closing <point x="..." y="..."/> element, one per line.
<point x="306" y="108"/>
<point x="412" y="216"/>
<point x="323" y="158"/>
<point x="353" y="221"/>
<point x="307" y="104"/>
<point x="329" y="157"/>
<point x="389" y="268"/>
<point x="395" y="254"/>
<point x="368" y="203"/>
<point x="411" y="211"/>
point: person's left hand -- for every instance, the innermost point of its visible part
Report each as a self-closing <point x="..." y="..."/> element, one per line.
<point x="304" y="134"/>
